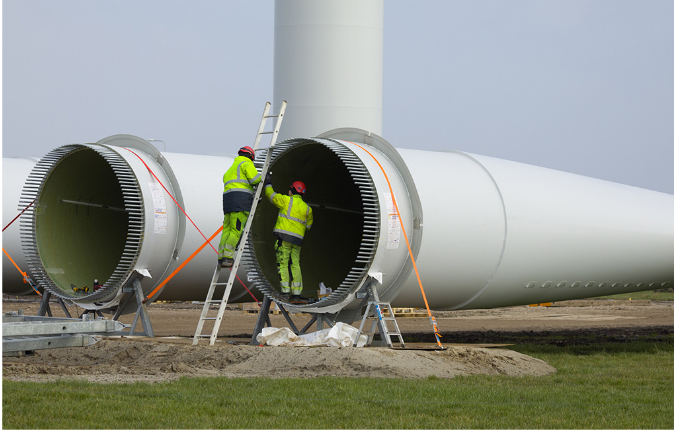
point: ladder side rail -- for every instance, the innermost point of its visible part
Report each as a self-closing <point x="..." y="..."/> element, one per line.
<point x="380" y="322"/>
<point x="207" y="305"/>
<point x="246" y="230"/>
<point x="239" y="254"/>
<point x="396" y="329"/>
<point x="277" y="127"/>
<point x="235" y="265"/>
<point x="262" y="124"/>
<point x="383" y="329"/>
<point x="258" y="194"/>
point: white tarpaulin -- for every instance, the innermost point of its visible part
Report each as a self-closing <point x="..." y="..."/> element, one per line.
<point x="339" y="335"/>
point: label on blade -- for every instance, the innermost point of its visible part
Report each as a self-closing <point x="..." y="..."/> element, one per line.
<point x="393" y="223"/>
<point x="159" y="204"/>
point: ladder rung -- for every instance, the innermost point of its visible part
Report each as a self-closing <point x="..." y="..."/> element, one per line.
<point x="240" y="256"/>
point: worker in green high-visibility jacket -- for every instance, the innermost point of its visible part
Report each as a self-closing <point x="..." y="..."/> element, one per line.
<point x="237" y="200"/>
<point x="295" y="217"/>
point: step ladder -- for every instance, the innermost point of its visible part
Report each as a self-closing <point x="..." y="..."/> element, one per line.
<point x="215" y="282"/>
<point x="374" y="311"/>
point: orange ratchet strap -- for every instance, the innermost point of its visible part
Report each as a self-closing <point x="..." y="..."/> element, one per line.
<point x="208" y="241"/>
<point x="409" y="249"/>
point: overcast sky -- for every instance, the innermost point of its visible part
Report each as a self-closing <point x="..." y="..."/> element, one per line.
<point x="580" y="86"/>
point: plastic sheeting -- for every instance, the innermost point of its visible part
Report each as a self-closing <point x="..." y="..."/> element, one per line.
<point x="340" y="335"/>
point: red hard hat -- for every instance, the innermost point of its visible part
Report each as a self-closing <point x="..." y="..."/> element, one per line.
<point x="299" y="187"/>
<point x="248" y="150"/>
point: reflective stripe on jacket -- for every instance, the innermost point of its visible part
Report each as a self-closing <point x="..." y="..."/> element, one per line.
<point x="294" y="216"/>
<point x="239" y="181"/>
<point x="241" y="176"/>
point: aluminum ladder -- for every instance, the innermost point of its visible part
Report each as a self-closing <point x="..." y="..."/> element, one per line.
<point x="374" y="306"/>
<point x="215" y="282"/>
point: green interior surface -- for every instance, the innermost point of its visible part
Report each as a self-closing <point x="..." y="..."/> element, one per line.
<point x="330" y="248"/>
<point x="80" y="243"/>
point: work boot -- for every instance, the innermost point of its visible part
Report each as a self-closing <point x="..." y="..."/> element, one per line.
<point x="226" y="262"/>
<point x="284" y="297"/>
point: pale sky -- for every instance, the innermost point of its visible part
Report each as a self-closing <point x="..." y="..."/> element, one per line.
<point x="580" y="86"/>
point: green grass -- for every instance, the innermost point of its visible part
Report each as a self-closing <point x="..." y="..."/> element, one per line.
<point x="611" y="386"/>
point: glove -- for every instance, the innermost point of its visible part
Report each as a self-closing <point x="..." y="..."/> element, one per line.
<point x="267" y="179"/>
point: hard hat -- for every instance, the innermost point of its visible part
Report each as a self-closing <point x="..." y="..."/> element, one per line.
<point x="299" y="187"/>
<point x="247" y="150"/>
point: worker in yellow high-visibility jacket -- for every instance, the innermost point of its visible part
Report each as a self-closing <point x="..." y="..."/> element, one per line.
<point x="295" y="217"/>
<point x="237" y="200"/>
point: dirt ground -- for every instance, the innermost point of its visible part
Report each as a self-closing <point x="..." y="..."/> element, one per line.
<point x="475" y="343"/>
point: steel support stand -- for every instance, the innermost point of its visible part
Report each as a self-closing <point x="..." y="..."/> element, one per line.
<point x="45" y="307"/>
<point x="141" y="312"/>
<point x="263" y="318"/>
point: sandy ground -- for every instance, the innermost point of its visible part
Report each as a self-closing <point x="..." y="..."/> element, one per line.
<point x="473" y="340"/>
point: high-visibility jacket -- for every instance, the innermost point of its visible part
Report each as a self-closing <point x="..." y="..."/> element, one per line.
<point x="294" y="216"/>
<point x="239" y="181"/>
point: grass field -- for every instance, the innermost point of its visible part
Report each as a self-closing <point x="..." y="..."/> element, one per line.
<point x="610" y="386"/>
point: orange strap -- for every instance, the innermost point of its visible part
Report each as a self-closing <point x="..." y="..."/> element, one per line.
<point x="26" y="279"/>
<point x="208" y="241"/>
<point x="161" y="285"/>
<point x="409" y="249"/>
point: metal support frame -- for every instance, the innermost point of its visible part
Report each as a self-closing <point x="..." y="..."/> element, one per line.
<point x="263" y="318"/>
<point x="22" y="334"/>
<point x="45" y="309"/>
<point x="141" y="311"/>
<point x="132" y="288"/>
